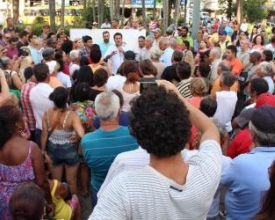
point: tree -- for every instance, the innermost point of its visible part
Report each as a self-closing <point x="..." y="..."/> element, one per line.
<point x="143" y="13"/>
<point x="52" y="14"/>
<point x="62" y="14"/>
<point x="166" y="15"/>
<point x="254" y="10"/>
<point x="15" y="10"/>
<point x="177" y="8"/>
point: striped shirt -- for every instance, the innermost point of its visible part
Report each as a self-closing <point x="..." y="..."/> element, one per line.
<point x="147" y="194"/>
<point x="184" y="88"/>
<point x="100" y="148"/>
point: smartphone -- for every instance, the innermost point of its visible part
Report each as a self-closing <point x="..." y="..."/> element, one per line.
<point x="144" y="84"/>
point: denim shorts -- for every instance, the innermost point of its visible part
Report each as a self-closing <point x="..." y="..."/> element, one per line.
<point x="63" y="154"/>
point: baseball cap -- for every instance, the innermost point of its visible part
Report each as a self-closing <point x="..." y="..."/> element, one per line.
<point x="263" y="119"/>
<point x="215" y="26"/>
<point x="129" y="55"/>
<point x="94" y="23"/>
<point x="265" y="99"/>
<point x="222" y="32"/>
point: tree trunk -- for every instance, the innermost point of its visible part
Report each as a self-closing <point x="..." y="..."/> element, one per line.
<point x="15" y="11"/>
<point x="94" y="11"/>
<point x="117" y="8"/>
<point x="62" y="14"/>
<point x="144" y="13"/>
<point x="101" y="11"/>
<point x="165" y="13"/>
<point x="239" y="5"/>
<point x="229" y="10"/>
<point x="177" y="8"/>
<point x="154" y="9"/>
<point x="111" y="6"/>
<point x="123" y="11"/>
<point x="52" y="14"/>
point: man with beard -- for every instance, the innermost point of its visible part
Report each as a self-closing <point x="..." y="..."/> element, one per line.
<point x="184" y="35"/>
<point x="106" y="43"/>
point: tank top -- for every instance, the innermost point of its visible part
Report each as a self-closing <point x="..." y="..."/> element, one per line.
<point x="60" y="136"/>
<point x="62" y="209"/>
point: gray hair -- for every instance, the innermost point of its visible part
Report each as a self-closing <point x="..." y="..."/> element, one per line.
<point x="262" y="138"/>
<point x="156" y="53"/>
<point x="150" y="38"/>
<point x="224" y="66"/>
<point x="265" y="68"/>
<point x="165" y="41"/>
<point x="107" y="105"/>
<point x="74" y="54"/>
<point x="216" y="51"/>
<point x="173" y="42"/>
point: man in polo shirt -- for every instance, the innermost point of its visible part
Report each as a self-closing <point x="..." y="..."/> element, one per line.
<point x="247" y="178"/>
<point x="223" y="42"/>
<point x="100" y="147"/>
<point x="39" y="97"/>
<point x="236" y="64"/>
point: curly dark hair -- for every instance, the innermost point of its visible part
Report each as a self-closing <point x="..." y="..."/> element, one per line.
<point x="160" y="122"/>
<point x="9" y="115"/>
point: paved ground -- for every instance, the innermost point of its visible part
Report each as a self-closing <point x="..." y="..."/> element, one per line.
<point x="86" y="208"/>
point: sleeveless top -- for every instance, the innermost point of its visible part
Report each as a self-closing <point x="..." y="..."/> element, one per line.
<point x="60" y="136"/>
<point x="10" y="178"/>
<point x="62" y="209"/>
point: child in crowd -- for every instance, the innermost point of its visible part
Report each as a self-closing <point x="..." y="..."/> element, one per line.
<point x="67" y="206"/>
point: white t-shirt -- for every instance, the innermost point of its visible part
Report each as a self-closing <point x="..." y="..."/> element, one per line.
<point x="147" y="194"/>
<point x="115" y="82"/>
<point x="73" y="67"/>
<point x="40" y="102"/>
<point x="64" y="79"/>
<point x="226" y="101"/>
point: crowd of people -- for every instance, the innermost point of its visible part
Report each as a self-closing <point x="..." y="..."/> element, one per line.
<point x="157" y="131"/>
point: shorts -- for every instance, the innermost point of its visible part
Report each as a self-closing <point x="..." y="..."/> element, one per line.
<point x="63" y="154"/>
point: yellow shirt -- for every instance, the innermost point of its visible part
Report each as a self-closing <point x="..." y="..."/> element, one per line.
<point x="62" y="209"/>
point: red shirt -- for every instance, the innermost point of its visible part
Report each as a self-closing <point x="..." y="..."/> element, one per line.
<point x="241" y="144"/>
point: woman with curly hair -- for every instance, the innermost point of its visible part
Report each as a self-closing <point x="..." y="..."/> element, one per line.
<point x="198" y="90"/>
<point x="168" y="187"/>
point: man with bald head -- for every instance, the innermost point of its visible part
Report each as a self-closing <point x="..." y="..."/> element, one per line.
<point x="166" y="57"/>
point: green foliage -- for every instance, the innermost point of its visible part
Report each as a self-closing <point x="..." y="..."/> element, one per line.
<point x="254" y="11"/>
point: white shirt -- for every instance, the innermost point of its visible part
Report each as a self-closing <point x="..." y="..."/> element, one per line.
<point x="116" y="59"/>
<point x="115" y="82"/>
<point x="166" y="57"/>
<point x="40" y="102"/>
<point x="127" y="98"/>
<point x="105" y="25"/>
<point x="244" y="27"/>
<point x="147" y="194"/>
<point x="73" y="67"/>
<point x="214" y="69"/>
<point x="64" y="79"/>
<point x="226" y="101"/>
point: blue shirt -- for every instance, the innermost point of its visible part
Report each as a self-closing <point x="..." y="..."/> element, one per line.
<point x="247" y="180"/>
<point x="104" y="47"/>
<point x="100" y="148"/>
<point x="166" y="57"/>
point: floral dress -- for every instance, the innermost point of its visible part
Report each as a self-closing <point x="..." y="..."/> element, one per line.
<point x="85" y="111"/>
<point x="10" y="178"/>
